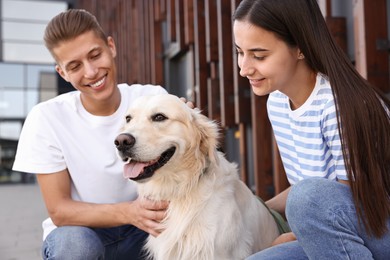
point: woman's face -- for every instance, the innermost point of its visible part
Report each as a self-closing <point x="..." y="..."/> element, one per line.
<point x="268" y="62"/>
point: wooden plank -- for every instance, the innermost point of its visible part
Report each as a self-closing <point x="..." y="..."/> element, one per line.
<point x="139" y="37"/>
<point x="171" y="20"/>
<point x="212" y="60"/>
<point x="163" y="8"/>
<point x="213" y="93"/>
<point x="120" y="40"/>
<point x="179" y="22"/>
<point x="338" y="28"/>
<point x="175" y="30"/>
<point x="136" y="74"/>
<point x="280" y="179"/>
<point x="158" y="11"/>
<point x="244" y="173"/>
<point x="147" y="42"/>
<point x="372" y="59"/>
<point x="262" y="146"/>
<point x="225" y="44"/>
<point x="242" y="105"/>
<point x="158" y="51"/>
<point x="201" y="68"/>
<point x="152" y="41"/>
<point x="188" y="22"/>
<point x="211" y="30"/>
<point x="242" y="88"/>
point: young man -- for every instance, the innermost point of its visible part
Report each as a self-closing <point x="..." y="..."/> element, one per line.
<point x="68" y="142"/>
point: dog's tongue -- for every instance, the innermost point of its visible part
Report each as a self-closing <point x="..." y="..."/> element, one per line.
<point x="133" y="169"/>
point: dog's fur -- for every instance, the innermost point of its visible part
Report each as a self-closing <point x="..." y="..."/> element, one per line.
<point x="212" y="214"/>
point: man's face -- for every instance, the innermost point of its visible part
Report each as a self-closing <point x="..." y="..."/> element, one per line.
<point x="88" y="63"/>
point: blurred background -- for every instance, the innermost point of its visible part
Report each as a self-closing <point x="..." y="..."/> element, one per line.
<point x="185" y="46"/>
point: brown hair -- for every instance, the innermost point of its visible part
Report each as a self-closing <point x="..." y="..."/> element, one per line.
<point x="364" y="124"/>
<point x="70" y="24"/>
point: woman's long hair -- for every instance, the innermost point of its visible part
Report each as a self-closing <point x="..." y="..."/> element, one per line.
<point x="364" y="124"/>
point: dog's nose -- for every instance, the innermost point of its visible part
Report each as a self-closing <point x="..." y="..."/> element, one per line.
<point x="124" y="142"/>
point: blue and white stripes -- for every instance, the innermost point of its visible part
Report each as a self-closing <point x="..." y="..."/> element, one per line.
<point x="308" y="137"/>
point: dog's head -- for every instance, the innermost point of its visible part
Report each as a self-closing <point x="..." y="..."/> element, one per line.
<point x="162" y="136"/>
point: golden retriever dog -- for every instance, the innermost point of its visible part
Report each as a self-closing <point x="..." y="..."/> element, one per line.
<point x="170" y="150"/>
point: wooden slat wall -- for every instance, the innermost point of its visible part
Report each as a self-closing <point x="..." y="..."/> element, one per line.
<point x="204" y="28"/>
<point x="372" y="45"/>
<point x="136" y="28"/>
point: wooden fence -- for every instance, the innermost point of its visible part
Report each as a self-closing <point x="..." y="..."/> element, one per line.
<point x="150" y="32"/>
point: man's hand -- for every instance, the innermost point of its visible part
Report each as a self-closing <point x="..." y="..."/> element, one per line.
<point x="149" y="214"/>
<point x="283" y="238"/>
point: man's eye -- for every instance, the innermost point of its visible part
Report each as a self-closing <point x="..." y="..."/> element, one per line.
<point x="95" y="56"/>
<point x="74" y="68"/>
<point x="128" y="119"/>
<point x="159" y="117"/>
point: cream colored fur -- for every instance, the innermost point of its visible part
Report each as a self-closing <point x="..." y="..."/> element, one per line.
<point x="212" y="214"/>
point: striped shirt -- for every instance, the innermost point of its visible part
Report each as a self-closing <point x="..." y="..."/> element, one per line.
<point x="308" y="137"/>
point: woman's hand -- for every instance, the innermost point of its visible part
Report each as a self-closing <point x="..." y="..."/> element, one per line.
<point x="283" y="238"/>
<point x="190" y="104"/>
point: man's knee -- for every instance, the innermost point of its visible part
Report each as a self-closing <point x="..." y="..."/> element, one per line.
<point x="72" y="242"/>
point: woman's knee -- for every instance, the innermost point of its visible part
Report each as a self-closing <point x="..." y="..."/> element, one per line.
<point x="305" y="197"/>
<point x="313" y="198"/>
<point x="73" y="242"/>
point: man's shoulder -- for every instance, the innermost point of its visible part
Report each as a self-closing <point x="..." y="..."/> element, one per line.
<point x="56" y="104"/>
<point x="69" y="97"/>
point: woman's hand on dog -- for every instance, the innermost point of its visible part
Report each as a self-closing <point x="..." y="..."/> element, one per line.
<point x="283" y="238"/>
<point x="190" y="104"/>
<point x="148" y="215"/>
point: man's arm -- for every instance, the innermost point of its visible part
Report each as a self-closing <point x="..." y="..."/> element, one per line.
<point x="65" y="211"/>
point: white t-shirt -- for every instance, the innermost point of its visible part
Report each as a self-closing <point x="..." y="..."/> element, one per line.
<point x="60" y="134"/>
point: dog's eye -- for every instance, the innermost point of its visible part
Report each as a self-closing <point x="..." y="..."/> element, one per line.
<point x="128" y="118"/>
<point x="159" y="117"/>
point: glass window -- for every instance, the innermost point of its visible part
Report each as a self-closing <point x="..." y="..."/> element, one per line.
<point x="22" y="87"/>
<point x="33" y="10"/>
<point x="12" y="75"/>
<point x="23" y="25"/>
<point x="32" y="98"/>
<point x="35" y="76"/>
<point x="13" y="103"/>
<point x="10" y="130"/>
<point x="26" y="52"/>
<point x="20" y="31"/>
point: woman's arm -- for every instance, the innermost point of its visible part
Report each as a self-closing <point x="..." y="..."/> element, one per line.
<point x="278" y="203"/>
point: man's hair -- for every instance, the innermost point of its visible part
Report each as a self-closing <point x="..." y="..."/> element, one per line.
<point x="70" y="24"/>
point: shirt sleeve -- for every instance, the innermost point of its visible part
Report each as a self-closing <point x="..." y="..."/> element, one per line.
<point x="332" y="138"/>
<point x="38" y="151"/>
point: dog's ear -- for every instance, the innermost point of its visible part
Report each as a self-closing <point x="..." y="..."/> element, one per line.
<point x="207" y="135"/>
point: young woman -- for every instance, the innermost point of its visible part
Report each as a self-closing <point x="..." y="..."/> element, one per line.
<point x="332" y="128"/>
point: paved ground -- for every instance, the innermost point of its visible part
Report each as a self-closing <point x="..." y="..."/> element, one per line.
<point x="22" y="212"/>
